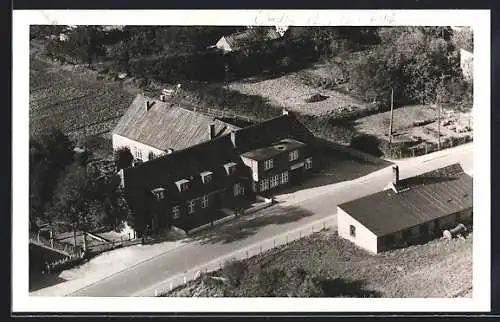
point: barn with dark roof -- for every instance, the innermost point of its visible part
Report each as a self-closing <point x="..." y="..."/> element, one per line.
<point x="411" y="210"/>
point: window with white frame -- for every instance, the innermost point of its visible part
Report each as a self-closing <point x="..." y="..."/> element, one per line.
<point x="352" y="231"/>
<point x="238" y="189"/>
<point x="176" y="212"/>
<point x="230" y="168"/>
<point x="268" y="164"/>
<point x="137" y="153"/>
<point x="308" y="163"/>
<point x="264" y="185"/>
<point x="284" y="177"/>
<point x="204" y="201"/>
<point x="190" y="206"/>
<point x="275" y="181"/>
<point x="293" y="155"/>
<point x="159" y="193"/>
<point x="183" y="185"/>
<point x="207" y="177"/>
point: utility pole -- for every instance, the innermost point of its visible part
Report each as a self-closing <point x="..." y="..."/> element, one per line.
<point x="390" y="121"/>
<point x="439" y="126"/>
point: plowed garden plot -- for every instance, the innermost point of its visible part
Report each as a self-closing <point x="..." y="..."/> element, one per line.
<point x="73" y="102"/>
<point x="291" y="92"/>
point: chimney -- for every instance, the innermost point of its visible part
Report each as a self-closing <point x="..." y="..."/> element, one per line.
<point x="233" y="138"/>
<point x="211" y="131"/>
<point x="395" y="175"/>
<point x="149" y="105"/>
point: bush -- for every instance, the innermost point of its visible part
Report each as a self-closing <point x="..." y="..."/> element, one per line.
<point x="234" y="271"/>
<point x="367" y="143"/>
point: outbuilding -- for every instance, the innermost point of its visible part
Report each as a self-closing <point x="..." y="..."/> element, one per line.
<point x="410" y="210"/>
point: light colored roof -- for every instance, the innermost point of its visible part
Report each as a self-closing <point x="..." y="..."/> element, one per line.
<point x="165" y="127"/>
<point x="250" y="37"/>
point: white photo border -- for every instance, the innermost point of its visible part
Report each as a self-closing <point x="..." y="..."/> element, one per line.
<point x="479" y="20"/>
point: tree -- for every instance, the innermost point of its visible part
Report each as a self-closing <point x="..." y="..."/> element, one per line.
<point x="49" y="156"/>
<point x="123" y="157"/>
<point x="75" y="205"/>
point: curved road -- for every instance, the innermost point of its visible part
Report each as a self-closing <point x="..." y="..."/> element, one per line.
<point x="309" y="206"/>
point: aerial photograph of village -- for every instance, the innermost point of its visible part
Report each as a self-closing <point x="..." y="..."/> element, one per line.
<point x="251" y="161"/>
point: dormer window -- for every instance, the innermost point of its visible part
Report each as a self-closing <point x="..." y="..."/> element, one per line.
<point x="207" y="177"/>
<point x="293" y="155"/>
<point x="230" y="168"/>
<point x="182" y="185"/>
<point x="159" y="193"/>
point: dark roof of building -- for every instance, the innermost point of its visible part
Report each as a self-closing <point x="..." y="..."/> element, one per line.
<point x="277" y="148"/>
<point x="250" y="37"/>
<point x="428" y="197"/>
<point x="165" y="127"/>
<point x="270" y="131"/>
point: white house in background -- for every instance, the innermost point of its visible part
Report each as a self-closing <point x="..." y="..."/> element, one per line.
<point x="152" y="127"/>
<point x="249" y="37"/>
<point x="466" y="63"/>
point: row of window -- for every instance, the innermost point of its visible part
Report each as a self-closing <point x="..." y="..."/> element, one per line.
<point x="206" y="177"/>
<point x="274" y="181"/>
<point x="238" y="190"/>
<point x="292" y="156"/>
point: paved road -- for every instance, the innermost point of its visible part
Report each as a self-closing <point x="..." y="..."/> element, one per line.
<point x="288" y="215"/>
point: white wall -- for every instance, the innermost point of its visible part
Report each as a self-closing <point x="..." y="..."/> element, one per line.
<point x="364" y="237"/>
<point x="120" y="141"/>
<point x="253" y="166"/>
<point x="222" y="44"/>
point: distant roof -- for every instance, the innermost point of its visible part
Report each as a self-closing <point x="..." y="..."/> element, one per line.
<point x="273" y="150"/>
<point x="165" y="127"/>
<point x="428" y="197"/>
<point x="250" y="37"/>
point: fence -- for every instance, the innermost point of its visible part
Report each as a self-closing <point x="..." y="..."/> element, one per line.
<point x="65" y="248"/>
<point x="219" y="113"/>
<point x="425" y="148"/>
<point x="217" y="264"/>
<point x="95" y="249"/>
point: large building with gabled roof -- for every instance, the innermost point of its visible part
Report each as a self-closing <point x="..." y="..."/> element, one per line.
<point x="151" y="128"/>
<point x="410" y="210"/>
<point x="190" y="186"/>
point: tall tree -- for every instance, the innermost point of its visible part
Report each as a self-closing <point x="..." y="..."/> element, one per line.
<point x="123" y="157"/>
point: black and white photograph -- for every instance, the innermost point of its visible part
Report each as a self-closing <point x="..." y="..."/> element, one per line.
<point x="267" y="155"/>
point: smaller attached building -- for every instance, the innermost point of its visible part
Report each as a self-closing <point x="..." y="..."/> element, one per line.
<point x="414" y="209"/>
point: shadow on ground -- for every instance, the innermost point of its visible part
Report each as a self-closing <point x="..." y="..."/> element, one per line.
<point x="337" y="167"/>
<point x="241" y="228"/>
<point x="342" y="288"/>
<point x="38" y="282"/>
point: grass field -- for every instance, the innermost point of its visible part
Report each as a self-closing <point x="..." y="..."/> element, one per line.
<point x="437" y="269"/>
<point x="404" y="119"/>
<point x="75" y="102"/>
